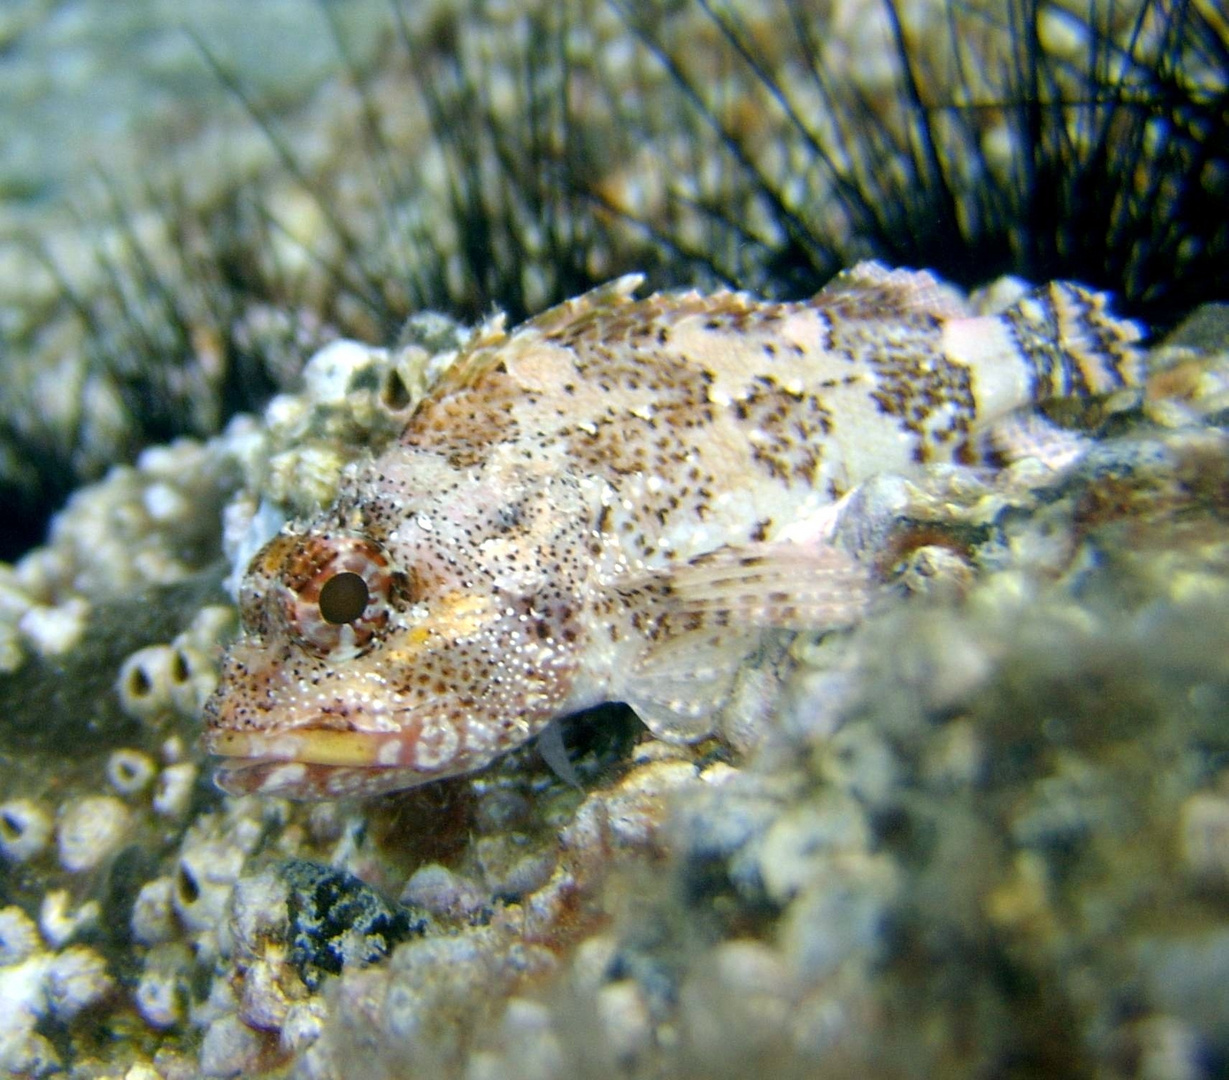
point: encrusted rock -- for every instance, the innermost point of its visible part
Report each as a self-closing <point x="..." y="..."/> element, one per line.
<point x="319" y="919"/>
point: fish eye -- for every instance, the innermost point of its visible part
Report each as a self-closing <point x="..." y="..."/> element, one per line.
<point x="343" y="598"/>
<point x="334" y="593"/>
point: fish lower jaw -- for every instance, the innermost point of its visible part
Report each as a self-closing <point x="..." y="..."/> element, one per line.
<point x="303" y="782"/>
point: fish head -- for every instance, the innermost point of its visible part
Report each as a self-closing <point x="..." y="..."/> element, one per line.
<point x="369" y="665"/>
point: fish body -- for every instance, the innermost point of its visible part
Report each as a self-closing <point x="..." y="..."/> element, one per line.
<point x="613" y="502"/>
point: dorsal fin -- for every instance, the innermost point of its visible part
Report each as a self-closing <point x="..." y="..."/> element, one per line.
<point x="876" y="291"/>
<point x="487" y="346"/>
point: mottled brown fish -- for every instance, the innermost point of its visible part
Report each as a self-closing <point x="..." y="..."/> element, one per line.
<point x="612" y="503"/>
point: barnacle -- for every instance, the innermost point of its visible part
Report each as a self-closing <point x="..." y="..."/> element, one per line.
<point x="25" y="828"/>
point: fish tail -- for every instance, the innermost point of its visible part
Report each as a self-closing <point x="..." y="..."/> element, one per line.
<point x="1074" y="346"/>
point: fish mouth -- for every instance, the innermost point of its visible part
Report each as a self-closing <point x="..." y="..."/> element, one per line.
<point x="310" y="746"/>
<point x="328" y="763"/>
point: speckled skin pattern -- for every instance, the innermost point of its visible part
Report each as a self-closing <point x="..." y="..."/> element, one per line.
<point x="612" y="503"/>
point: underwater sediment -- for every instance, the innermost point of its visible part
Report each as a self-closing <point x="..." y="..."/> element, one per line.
<point x="984" y="831"/>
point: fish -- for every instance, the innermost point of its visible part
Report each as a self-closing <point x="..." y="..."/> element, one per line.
<point x="615" y="501"/>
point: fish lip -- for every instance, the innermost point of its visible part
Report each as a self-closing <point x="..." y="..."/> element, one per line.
<point x="302" y="782"/>
<point x="308" y="746"/>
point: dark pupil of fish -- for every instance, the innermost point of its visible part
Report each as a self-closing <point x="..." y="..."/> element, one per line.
<point x="343" y="598"/>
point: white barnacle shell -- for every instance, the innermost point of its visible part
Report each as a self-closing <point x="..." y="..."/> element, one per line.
<point x="60" y="922"/>
<point x="160" y="679"/>
<point x="302" y="1025"/>
<point x="153" y="912"/>
<point x="208" y="627"/>
<point x="145" y="681"/>
<point x="19" y="938"/>
<point x="54" y="629"/>
<point x="230" y="1048"/>
<point x="90" y="829"/>
<point x="209" y="865"/>
<point x="193" y="677"/>
<point x="161" y="992"/>
<point x="173" y="791"/>
<point x="76" y="979"/>
<point x="129" y="771"/>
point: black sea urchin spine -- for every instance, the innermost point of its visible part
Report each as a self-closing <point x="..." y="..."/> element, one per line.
<point x="704" y="143"/>
<point x="1114" y="170"/>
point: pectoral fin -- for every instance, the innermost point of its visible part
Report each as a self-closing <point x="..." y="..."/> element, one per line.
<point x="678" y="686"/>
<point x="703" y="619"/>
<point x="1028" y="434"/>
<point x="786" y="585"/>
